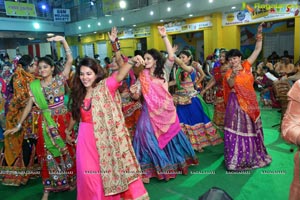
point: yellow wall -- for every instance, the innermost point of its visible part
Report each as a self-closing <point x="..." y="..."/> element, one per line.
<point x="154" y="40"/>
<point x="217" y="36"/>
<point x="217" y="30"/>
<point x="231" y="37"/>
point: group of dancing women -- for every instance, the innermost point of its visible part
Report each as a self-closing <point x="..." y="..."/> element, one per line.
<point x="129" y="128"/>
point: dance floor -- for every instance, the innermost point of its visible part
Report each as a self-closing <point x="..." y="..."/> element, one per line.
<point x="271" y="182"/>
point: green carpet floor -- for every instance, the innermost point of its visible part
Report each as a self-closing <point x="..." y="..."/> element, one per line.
<point x="271" y="182"/>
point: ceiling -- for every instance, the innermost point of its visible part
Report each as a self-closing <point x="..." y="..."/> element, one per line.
<point x="137" y="16"/>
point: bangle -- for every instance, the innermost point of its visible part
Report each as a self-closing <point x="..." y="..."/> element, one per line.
<point x="163" y="36"/>
<point x="116" y="45"/>
<point x="19" y="126"/>
<point x="68" y="51"/>
<point x="259" y="37"/>
<point x="67" y="132"/>
<point x="131" y="62"/>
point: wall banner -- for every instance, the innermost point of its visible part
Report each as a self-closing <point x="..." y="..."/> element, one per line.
<point x="188" y="27"/>
<point x="134" y="32"/>
<point x="259" y="12"/>
<point x="19" y="9"/>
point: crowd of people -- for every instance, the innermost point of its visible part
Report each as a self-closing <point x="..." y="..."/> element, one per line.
<point x="122" y="124"/>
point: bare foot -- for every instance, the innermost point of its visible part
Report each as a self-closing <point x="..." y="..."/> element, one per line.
<point x="72" y="188"/>
<point x="146" y="180"/>
<point x="45" y="196"/>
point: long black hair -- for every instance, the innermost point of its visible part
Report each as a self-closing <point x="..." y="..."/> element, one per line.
<point x="78" y="91"/>
<point x="25" y="61"/>
<point x="160" y="61"/>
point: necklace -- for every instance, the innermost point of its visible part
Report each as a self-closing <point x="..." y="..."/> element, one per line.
<point x="86" y="105"/>
<point x="45" y="84"/>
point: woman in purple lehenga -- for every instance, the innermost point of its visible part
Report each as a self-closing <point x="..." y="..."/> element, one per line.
<point x="243" y="135"/>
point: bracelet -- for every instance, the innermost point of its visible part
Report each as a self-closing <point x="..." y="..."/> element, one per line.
<point x="116" y="45"/>
<point x="259" y="37"/>
<point x="131" y="62"/>
<point x="67" y="132"/>
<point x="19" y="126"/>
<point x="68" y="51"/>
<point x="163" y="36"/>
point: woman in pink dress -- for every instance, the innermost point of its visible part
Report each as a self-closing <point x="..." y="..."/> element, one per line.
<point x="106" y="164"/>
<point x="290" y="131"/>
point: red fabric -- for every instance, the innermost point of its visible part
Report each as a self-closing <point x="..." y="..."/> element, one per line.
<point x="37" y="50"/>
<point x="30" y="50"/>
<point x="3" y="85"/>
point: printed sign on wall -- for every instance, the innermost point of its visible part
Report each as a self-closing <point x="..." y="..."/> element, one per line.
<point x="61" y="15"/>
<point x="259" y="12"/>
<point x="19" y="9"/>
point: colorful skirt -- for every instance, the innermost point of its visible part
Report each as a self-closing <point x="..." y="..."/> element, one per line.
<point x="18" y="159"/>
<point x="89" y="180"/>
<point x="164" y="163"/>
<point x="131" y="112"/>
<point x="243" y="139"/>
<point x="219" y="113"/>
<point x="25" y="166"/>
<point x="196" y="124"/>
<point x="58" y="173"/>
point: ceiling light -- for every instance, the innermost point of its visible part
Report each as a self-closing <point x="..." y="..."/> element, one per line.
<point x="30" y="38"/>
<point x="50" y="34"/>
<point x="134" y="25"/>
<point x="44" y="7"/>
<point x="151" y="12"/>
<point x="161" y="20"/>
<point x="89" y="26"/>
<point x="99" y="24"/>
<point x="233" y="7"/>
<point x="190" y="15"/>
<point x="122" y="18"/>
<point x="95" y="32"/>
<point x="110" y="21"/>
<point x="79" y="35"/>
<point x="122" y="4"/>
<point x="36" y="25"/>
<point x="210" y="1"/>
<point x="79" y="27"/>
<point x="168" y="9"/>
<point x="93" y="2"/>
<point x="188" y="4"/>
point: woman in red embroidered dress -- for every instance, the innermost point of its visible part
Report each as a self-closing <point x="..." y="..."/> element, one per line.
<point x="55" y="156"/>
<point x="217" y="80"/>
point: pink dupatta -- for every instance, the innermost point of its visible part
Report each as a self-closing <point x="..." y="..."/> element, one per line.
<point x="161" y="108"/>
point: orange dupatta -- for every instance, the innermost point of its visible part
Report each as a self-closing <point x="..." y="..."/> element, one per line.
<point x="243" y="86"/>
<point x="13" y="143"/>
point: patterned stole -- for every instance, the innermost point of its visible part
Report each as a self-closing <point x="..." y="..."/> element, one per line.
<point x="159" y="102"/>
<point x="118" y="163"/>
